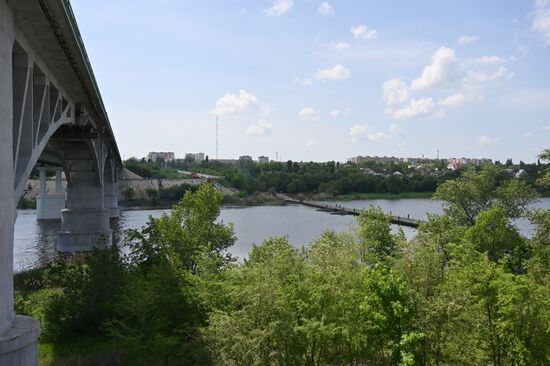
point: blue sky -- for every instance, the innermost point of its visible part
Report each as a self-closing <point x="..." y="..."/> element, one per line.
<point x="315" y="80"/>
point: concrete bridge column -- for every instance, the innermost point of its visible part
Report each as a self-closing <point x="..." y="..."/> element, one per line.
<point x="111" y="199"/>
<point x="110" y="190"/>
<point x="18" y="334"/>
<point x="49" y="206"/>
<point x="85" y="221"/>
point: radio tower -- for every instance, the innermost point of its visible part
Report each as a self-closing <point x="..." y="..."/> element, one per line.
<point x="217" y="135"/>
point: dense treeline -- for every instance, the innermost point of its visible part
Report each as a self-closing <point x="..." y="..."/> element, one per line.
<point x="331" y="178"/>
<point x="468" y="289"/>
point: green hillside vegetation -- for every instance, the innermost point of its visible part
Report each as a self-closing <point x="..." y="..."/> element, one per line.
<point x="469" y="289"/>
<point x="331" y="178"/>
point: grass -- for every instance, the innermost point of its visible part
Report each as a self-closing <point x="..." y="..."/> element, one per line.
<point x="376" y="196"/>
<point x="82" y="351"/>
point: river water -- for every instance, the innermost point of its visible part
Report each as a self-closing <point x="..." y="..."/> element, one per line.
<point x="34" y="243"/>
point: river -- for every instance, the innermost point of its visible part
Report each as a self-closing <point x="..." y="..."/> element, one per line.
<point x="34" y="243"/>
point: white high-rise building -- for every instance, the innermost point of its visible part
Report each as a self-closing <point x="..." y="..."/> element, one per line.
<point x="166" y="156"/>
<point x="263" y="159"/>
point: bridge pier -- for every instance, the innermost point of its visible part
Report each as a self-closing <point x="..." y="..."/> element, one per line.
<point x="85" y="221"/>
<point x="49" y="206"/>
<point x="110" y="199"/>
<point x="18" y="335"/>
<point x="110" y="190"/>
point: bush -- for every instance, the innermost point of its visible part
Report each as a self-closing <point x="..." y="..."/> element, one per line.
<point x="85" y="290"/>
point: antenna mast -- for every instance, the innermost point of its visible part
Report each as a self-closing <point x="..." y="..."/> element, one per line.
<point x="217" y="137"/>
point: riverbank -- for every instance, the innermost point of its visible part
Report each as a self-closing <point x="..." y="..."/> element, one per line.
<point x="373" y="196"/>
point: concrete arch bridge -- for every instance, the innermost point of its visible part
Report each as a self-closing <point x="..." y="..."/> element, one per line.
<point x="51" y="114"/>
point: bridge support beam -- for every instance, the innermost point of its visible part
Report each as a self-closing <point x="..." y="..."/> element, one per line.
<point x="18" y="335"/>
<point x="110" y="199"/>
<point x="110" y="191"/>
<point x="49" y="206"/>
<point x="85" y="221"/>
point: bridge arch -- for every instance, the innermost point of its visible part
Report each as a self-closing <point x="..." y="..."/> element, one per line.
<point x="51" y="113"/>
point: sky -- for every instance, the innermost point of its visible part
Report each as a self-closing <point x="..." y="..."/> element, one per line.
<point x="316" y="81"/>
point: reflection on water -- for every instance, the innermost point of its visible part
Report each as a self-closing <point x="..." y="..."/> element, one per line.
<point x="35" y="241"/>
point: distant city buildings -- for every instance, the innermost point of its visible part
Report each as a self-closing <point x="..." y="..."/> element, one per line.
<point x="165" y="156"/>
<point x="245" y="158"/>
<point x="227" y="161"/>
<point x="263" y="159"/>
<point x="457" y="163"/>
<point x="198" y="157"/>
<point x="390" y="159"/>
<point x="452" y="164"/>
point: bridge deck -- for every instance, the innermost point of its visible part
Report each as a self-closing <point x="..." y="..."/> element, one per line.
<point x="340" y="210"/>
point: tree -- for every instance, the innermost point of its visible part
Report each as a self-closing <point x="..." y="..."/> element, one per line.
<point x="492" y="233"/>
<point x="389" y="318"/>
<point x="474" y="192"/>
<point x="545" y="155"/>
<point x="174" y="266"/>
<point x="256" y="327"/>
<point x="376" y="240"/>
<point x="545" y="181"/>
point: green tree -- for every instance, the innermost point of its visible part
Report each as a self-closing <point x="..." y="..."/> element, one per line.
<point x="256" y="328"/>
<point x="474" y="192"/>
<point x="174" y="266"/>
<point x="376" y="240"/>
<point x="492" y="233"/>
<point x="389" y="319"/>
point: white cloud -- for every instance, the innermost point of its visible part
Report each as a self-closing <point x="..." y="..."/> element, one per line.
<point x="541" y="20"/>
<point x="308" y="114"/>
<point x="396" y="92"/>
<point x="453" y="101"/>
<point x="423" y="107"/>
<point x="451" y="82"/>
<point x="359" y="132"/>
<point x="325" y="9"/>
<point x="486" y="140"/>
<point x="266" y="109"/>
<point x="236" y="104"/>
<point x="475" y="79"/>
<point x="464" y="40"/>
<point x="491" y="60"/>
<point x="262" y="127"/>
<point x="337" y="72"/>
<point x="378" y="136"/>
<point x="363" y="32"/>
<point x="394" y="128"/>
<point x="546" y="127"/>
<point x="444" y="71"/>
<point x="279" y="7"/>
<point x="340" y="112"/>
<point x="339" y="45"/>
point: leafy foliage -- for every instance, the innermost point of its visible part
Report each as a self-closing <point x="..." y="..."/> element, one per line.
<point x="468" y="289"/>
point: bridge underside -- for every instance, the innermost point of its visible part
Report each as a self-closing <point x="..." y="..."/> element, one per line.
<point x="51" y="114"/>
